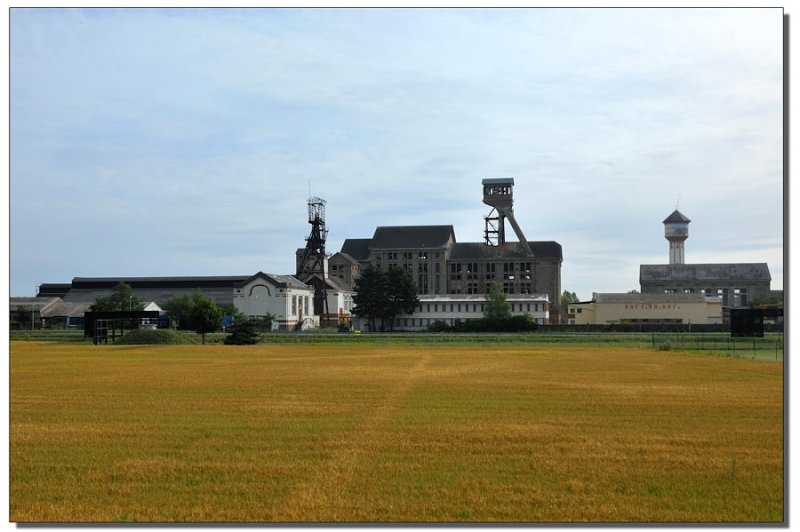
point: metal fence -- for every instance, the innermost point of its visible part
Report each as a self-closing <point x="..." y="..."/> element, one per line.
<point x="769" y="347"/>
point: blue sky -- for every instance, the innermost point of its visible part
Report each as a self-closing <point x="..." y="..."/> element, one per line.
<point x="183" y="142"/>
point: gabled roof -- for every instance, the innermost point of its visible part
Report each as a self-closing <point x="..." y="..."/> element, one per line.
<point x="509" y="250"/>
<point x="345" y="256"/>
<point x="412" y="237"/>
<point x="358" y="248"/>
<point x="67" y="309"/>
<point x="32" y="303"/>
<point x="331" y="283"/>
<point x="280" y="281"/>
<point x="676" y="218"/>
<point x="705" y="272"/>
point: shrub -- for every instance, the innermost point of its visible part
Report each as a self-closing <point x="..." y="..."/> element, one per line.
<point x="242" y="333"/>
<point x="156" y="337"/>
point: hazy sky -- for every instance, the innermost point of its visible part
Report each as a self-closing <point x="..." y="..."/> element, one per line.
<point x="160" y="142"/>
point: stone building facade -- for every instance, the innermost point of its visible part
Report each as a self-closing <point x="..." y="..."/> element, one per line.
<point x="440" y="265"/>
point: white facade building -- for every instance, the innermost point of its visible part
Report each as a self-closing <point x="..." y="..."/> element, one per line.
<point x="282" y="296"/>
<point x="451" y="307"/>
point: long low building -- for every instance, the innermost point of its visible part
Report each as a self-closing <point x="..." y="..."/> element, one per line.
<point x="282" y="296"/>
<point x="606" y="308"/>
<point x="451" y="307"/>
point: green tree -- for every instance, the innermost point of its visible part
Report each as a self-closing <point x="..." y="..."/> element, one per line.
<point x="401" y="294"/>
<point x="566" y="299"/>
<point x="497" y="306"/>
<point x="194" y="312"/>
<point x="179" y="309"/>
<point x="370" y="293"/>
<point x="205" y="316"/>
<point x="384" y="295"/>
<point x="121" y="299"/>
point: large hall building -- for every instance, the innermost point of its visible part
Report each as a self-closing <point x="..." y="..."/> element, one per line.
<point x="439" y="264"/>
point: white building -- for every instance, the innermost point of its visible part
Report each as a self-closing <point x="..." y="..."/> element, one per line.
<point x="282" y="296"/>
<point x="451" y="307"/>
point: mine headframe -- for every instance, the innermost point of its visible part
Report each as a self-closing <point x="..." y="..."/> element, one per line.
<point x="313" y="260"/>
<point x="499" y="194"/>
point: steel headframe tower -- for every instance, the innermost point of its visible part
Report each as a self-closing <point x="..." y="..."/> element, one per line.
<point x="499" y="194"/>
<point x="313" y="261"/>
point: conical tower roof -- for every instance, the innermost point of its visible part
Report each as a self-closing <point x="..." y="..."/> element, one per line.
<point x="676" y="218"/>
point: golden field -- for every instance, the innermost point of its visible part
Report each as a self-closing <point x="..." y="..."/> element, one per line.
<point x="361" y="432"/>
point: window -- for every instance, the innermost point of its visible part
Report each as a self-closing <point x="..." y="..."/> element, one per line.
<point x="455" y="272"/>
<point x="422" y="255"/>
<point x="508" y="271"/>
<point x="490" y="272"/>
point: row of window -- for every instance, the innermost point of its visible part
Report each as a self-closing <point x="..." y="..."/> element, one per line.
<point x="477" y="307"/>
<point x="411" y="255"/>
<point x="425" y="322"/>
<point x="739" y="294"/>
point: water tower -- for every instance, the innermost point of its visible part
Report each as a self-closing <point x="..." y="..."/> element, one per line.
<point x="676" y="230"/>
<point x="499" y="194"/>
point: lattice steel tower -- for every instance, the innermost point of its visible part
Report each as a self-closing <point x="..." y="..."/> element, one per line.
<point x="313" y="260"/>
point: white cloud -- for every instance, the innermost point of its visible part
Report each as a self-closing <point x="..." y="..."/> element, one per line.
<point x="213" y="122"/>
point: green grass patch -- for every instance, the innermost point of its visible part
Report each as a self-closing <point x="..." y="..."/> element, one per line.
<point x="157" y="337"/>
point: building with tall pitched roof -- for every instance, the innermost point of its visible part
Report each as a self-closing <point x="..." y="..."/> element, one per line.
<point x="441" y="265"/>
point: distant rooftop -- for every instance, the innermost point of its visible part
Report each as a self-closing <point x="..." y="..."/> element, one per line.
<point x="498" y="181"/>
<point x="705" y="272"/>
<point x="412" y="237"/>
<point x="676" y="218"/>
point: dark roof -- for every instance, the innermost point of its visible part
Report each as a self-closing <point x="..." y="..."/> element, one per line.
<point x="412" y="237"/>
<point x="53" y="289"/>
<point x="345" y="256"/>
<point x="498" y="181"/>
<point x="705" y="272"/>
<point x="358" y="248"/>
<point x="676" y="218"/>
<point x="158" y="282"/>
<point x="510" y="250"/>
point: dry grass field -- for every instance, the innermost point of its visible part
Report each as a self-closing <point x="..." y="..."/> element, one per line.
<point x="358" y="432"/>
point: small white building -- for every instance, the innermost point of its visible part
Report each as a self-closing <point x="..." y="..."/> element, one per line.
<point x="287" y="299"/>
<point x="451" y="307"/>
